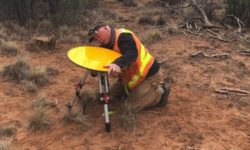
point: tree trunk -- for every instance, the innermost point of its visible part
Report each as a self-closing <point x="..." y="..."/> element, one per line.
<point x="198" y="7"/>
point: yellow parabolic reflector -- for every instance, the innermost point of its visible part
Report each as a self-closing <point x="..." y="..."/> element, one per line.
<point x="93" y="58"/>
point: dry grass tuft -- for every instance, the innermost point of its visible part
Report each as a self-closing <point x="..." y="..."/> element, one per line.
<point x="149" y="19"/>
<point x="151" y="37"/>
<point x="51" y="71"/>
<point x="160" y="21"/>
<point x="173" y="30"/>
<point x="78" y="118"/>
<point x="9" y="48"/>
<point x="29" y="85"/>
<point x="68" y="34"/>
<point x="127" y="117"/>
<point x="39" y="121"/>
<point x="31" y="78"/>
<point x="7" y="130"/>
<point x="41" y="102"/>
<point x="146" y="20"/>
<point x="6" y="145"/>
<point x="18" y="71"/>
<point x="38" y="76"/>
<point x="31" y="46"/>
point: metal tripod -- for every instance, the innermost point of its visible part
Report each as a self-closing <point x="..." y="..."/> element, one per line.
<point x="104" y="97"/>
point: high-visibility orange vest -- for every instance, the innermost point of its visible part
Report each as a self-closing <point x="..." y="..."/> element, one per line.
<point x="138" y="70"/>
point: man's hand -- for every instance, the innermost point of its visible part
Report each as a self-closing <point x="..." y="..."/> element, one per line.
<point x="114" y="69"/>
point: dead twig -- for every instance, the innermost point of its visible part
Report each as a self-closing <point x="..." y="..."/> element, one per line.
<point x="162" y="61"/>
<point x="225" y="90"/>
<point x="203" y="83"/>
<point x="217" y="34"/>
<point x="201" y="54"/>
<point x="244" y="52"/>
<point x="155" y="112"/>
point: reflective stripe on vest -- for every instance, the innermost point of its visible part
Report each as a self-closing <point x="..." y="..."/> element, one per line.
<point x="138" y="70"/>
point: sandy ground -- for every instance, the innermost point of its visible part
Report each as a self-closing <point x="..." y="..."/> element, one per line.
<point x="196" y="116"/>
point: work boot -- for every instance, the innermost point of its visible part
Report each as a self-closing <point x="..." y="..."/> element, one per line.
<point x="164" y="96"/>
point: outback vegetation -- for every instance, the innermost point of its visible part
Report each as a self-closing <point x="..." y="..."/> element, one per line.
<point x="203" y="47"/>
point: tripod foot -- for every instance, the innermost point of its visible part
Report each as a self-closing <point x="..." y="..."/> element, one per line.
<point x="108" y="127"/>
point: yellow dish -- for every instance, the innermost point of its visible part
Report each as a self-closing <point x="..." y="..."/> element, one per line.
<point x="93" y="58"/>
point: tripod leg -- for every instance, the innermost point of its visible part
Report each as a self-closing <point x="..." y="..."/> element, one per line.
<point x="103" y="83"/>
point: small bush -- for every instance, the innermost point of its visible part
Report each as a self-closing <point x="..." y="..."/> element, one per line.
<point x="7" y="130"/>
<point x="31" y="46"/>
<point x="41" y="102"/>
<point x="18" y="71"/>
<point x="173" y="30"/>
<point x="160" y="21"/>
<point x="38" y="76"/>
<point x="146" y="20"/>
<point x="31" y="78"/>
<point x="152" y="20"/>
<point x="39" y="121"/>
<point x="151" y="37"/>
<point x="78" y="118"/>
<point x="9" y="48"/>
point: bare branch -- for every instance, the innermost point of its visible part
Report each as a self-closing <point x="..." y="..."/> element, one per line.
<point x="225" y="90"/>
<point x="199" y="8"/>
<point x="239" y="22"/>
<point x="207" y="36"/>
<point x="162" y="61"/>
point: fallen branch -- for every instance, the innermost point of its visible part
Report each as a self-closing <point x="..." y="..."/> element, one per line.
<point x="202" y="83"/>
<point x="217" y="34"/>
<point x="201" y="54"/>
<point x="239" y="22"/>
<point x="207" y="36"/>
<point x="225" y="90"/>
<point x="244" y="52"/>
